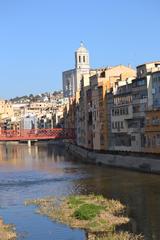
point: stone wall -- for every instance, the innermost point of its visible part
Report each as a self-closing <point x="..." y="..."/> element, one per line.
<point x="145" y="164"/>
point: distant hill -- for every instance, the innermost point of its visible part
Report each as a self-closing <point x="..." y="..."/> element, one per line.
<point x="37" y="98"/>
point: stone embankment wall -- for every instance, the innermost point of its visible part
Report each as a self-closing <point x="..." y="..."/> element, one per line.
<point x="139" y="163"/>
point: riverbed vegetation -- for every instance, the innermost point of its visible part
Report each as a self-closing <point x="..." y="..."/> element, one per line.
<point x="121" y="236"/>
<point x="98" y="216"/>
<point x="6" y="231"/>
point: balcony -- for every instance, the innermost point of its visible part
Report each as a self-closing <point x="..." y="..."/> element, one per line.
<point x="139" y="88"/>
<point x="152" y="128"/>
<point x="140" y="100"/>
<point x="139" y="114"/>
<point x="119" y="130"/>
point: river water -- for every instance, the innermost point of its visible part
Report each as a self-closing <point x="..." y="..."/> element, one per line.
<point x="46" y="169"/>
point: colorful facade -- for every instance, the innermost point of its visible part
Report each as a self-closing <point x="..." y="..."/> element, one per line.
<point x="118" y="109"/>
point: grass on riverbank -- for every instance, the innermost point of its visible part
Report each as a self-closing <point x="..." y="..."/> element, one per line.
<point x="121" y="236"/>
<point x="95" y="214"/>
<point x="6" y="231"/>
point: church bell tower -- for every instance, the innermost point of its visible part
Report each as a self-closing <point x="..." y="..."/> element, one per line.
<point x="82" y="58"/>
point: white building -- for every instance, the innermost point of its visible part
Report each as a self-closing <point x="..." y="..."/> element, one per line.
<point x="72" y="78"/>
<point x="29" y="121"/>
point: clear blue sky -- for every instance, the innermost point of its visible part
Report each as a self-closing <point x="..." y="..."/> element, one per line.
<point x="38" y="38"/>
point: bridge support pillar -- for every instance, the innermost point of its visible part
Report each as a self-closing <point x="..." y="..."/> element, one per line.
<point x="29" y="143"/>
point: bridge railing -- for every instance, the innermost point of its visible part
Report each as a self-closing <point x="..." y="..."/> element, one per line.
<point x="51" y="133"/>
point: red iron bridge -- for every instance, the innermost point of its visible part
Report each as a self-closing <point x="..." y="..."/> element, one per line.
<point x="37" y="134"/>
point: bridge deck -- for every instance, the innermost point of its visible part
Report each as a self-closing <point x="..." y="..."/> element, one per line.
<point x="36" y="134"/>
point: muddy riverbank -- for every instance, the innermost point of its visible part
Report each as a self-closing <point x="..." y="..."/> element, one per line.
<point x="98" y="216"/>
<point x="7" y="231"/>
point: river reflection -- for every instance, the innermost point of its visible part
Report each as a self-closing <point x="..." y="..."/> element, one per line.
<point x="45" y="169"/>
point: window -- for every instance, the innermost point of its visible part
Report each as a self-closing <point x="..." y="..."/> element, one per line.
<point x="122" y="125"/>
<point x="100" y="103"/>
<point x="79" y="59"/>
<point x="153" y="141"/>
<point x="84" y="59"/>
<point x="133" y="138"/>
<point x="141" y="82"/>
<point x="101" y="139"/>
<point x="148" y="142"/>
<point x="158" y="139"/>
<point x="117" y="112"/>
<point x="147" y="122"/>
<point x="136" y="109"/>
<point x="153" y="120"/>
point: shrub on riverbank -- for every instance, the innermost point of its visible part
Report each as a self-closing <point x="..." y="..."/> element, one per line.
<point x="87" y="211"/>
<point x="95" y="214"/>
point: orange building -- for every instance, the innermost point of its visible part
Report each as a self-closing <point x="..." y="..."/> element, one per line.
<point x="152" y="131"/>
<point x="100" y="85"/>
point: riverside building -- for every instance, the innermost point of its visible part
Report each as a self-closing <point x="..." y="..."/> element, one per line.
<point x="92" y="111"/>
<point x="113" y="108"/>
<point x="135" y="107"/>
<point x="152" y="117"/>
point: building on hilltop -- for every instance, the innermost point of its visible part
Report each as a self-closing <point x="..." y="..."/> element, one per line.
<point x="41" y="111"/>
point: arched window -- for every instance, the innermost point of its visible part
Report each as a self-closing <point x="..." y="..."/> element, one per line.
<point x="79" y="59"/>
<point x="84" y="59"/>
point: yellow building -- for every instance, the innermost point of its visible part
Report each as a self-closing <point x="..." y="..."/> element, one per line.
<point x="6" y="109"/>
